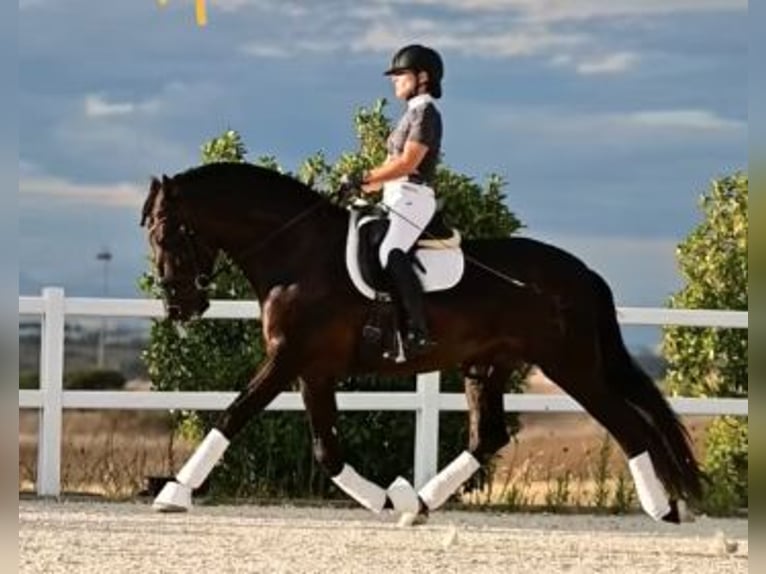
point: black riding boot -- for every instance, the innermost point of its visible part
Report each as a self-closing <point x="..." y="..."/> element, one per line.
<point x="409" y="293"/>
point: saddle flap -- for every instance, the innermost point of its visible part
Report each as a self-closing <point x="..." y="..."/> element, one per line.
<point x="439" y="268"/>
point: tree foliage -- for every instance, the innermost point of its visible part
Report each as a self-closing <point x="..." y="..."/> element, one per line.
<point x="273" y="454"/>
<point x="713" y="362"/>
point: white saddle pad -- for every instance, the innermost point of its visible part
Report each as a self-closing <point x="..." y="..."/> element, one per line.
<point x="443" y="267"/>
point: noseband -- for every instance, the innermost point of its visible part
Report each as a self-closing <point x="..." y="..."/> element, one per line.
<point x="184" y="239"/>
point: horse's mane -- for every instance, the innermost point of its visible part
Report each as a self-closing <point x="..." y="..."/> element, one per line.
<point x="245" y="181"/>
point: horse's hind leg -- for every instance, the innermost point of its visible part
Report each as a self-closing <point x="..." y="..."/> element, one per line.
<point x="273" y="377"/>
<point x="484" y="388"/>
<point x="583" y="379"/>
<point x="319" y="399"/>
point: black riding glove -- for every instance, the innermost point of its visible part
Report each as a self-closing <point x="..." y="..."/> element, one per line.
<point x="350" y="184"/>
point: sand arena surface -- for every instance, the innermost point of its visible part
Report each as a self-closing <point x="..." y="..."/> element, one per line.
<point x="87" y="537"/>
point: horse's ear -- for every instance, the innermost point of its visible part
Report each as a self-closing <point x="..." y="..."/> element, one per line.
<point x="154" y="188"/>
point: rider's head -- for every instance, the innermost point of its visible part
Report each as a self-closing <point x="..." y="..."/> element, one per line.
<point x="415" y="70"/>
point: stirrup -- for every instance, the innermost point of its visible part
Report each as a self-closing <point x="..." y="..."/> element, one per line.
<point x="417" y="342"/>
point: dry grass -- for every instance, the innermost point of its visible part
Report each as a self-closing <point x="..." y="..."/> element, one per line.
<point x="108" y="453"/>
<point x="557" y="461"/>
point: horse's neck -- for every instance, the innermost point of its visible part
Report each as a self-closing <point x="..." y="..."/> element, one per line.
<point x="273" y="250"/>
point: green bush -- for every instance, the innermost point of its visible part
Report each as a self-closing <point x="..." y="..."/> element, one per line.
<point x="726" y="464"/>
<point x="273" y="456"/>
<point x="713" y="362"/>
<point x="83" y="380"/>
<point x="94" y="380"/>
<point x="29" y="380"/>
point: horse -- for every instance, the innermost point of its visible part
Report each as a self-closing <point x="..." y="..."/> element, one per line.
<point x="519" y="301"/>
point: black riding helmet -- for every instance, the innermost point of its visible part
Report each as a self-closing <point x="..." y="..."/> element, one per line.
<point x="420" y="58"/>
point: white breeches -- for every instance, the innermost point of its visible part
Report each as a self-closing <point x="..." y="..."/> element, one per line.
<point x="411" y="207"/>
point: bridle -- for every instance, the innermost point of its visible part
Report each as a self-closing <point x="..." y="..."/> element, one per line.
<point x="203" y="281"/>
<point x="185" y="239"/>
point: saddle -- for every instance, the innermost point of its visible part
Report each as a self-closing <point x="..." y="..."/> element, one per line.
<point x="436" y="257"/>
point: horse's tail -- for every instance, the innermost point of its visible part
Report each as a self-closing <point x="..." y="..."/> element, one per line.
<point x="669" y="443"/>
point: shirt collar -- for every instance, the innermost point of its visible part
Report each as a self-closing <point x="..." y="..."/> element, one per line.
<point x="419" y="100"/>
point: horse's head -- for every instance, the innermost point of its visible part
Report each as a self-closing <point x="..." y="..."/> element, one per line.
<point x="182" y="261"/>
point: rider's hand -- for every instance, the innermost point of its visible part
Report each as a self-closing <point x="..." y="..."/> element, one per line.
<point x="371" y="188"/>
<point x="350" y="185"/>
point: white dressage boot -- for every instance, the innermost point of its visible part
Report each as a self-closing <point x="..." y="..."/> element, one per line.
<point x="176" y="496"/>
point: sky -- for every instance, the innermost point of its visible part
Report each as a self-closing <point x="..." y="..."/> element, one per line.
<point x="607" y="118"/>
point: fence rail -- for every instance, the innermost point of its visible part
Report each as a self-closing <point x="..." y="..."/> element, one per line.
<point x="427" y="401"/>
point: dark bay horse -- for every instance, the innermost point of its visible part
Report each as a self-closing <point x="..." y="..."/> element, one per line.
<point x="289" y="241"/>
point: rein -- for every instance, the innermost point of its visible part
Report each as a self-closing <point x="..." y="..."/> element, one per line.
<point x="248" y="251"/>
<point x="202" y="281"/>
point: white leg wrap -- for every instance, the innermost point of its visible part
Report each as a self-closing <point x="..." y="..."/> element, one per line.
<point x="366" y="493"/>
<point x="403" y="496"/>
<point x="174" y="497"/>
<point x="207" y="455"/>
<point x="444" y="484"/>
<point x="650" y="491"/>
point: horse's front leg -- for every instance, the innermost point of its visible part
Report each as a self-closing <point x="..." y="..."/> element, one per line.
<point x="484" y="388"/>
<point x="280" y="368"/>
<point x="319" y="399"/>
<point x="273" y="377"/>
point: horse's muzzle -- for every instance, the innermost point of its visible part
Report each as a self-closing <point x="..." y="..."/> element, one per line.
<point x="181" y="312"/>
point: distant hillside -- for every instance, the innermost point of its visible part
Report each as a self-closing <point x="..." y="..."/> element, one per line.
<point x="122" y="348"/>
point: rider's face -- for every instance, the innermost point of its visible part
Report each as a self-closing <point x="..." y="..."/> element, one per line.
<point x="404" y="84"/>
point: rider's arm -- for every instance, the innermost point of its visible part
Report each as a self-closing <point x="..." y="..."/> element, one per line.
<point x="396" y="167"/>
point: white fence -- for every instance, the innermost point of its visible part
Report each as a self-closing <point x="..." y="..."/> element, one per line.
<point x="427" y="401"/>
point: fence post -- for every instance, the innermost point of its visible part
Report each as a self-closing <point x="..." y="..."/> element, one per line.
<point x="51" y="388"/>
<point x="427" y="428"/>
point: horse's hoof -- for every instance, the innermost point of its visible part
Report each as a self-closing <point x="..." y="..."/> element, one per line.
<point x="679" y="513"/>
<point x="415" y="518"/>
<point x="174" y="497"/>
<point x="672" y="516"/>
<point x="408" y="519"/>
<point x="403" y="497"/>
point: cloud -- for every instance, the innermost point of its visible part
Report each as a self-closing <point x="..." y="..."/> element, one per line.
<point x="683" y="119"/>
<point x="46" y="188"/>
<point x="384" y="26"/>
<point x="111" y="138"/>
<point x="288" y="8"/>
<point x="577" y="10"/>
<point x="97" y="106"/>
<point x="544" y="122"/>
<point x="609" y="64"/>
<point x="27" y="4"/>
<point x="119" y="145"/>
<point x="261" y="50"/>
<point x="487" y="29"/>
<point x="466" y="39"/>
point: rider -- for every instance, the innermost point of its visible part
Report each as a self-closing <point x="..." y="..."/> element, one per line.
<point x="413" y="152"/>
